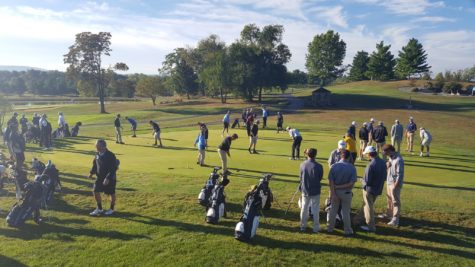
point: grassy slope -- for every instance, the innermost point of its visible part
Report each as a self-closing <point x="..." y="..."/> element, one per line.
<point x="159" y="222"/>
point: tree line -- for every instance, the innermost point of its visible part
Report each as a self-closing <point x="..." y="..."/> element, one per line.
<point x="254" y="63"/>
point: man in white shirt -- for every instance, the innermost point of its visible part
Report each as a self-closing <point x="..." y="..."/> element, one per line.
<point x="295" y="134"/>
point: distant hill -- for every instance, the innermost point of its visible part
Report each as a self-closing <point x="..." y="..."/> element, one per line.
<point x="18" y="68"/>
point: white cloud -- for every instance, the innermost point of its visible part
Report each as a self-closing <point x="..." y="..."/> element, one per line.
<point x="433" y="19"/>
<point x="331" y="15"/>
<point x="404" y="7"/>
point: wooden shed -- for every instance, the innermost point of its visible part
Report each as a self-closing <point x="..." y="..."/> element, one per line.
<point x="321" y="97"/>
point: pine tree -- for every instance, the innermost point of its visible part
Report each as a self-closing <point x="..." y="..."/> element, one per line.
<point x="412" y="60"/>
<point x="359" y="67"/>
<point x="381" y="63"/>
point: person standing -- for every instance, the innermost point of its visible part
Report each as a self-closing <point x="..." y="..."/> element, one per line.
<point x="253" y="137"/>
<point x="156" y="133"/>
<point x="133" y="125"/>
<point x="411" y="128"/>
<point x="396" y="135"/>
<point x="297" y="140"/>
<point x="61" y="124"/>
<point x="23" y="124"/>
<point x="342" y="178"/>
<point x="364" y="137"/>
<point x="379" y="136"/>
<point x="311" y="173"/>
<point x="351" y="147"/>
<point x="224" y="152"/>
<point x="264" y="117"/>
<point x="249" y="121"/>
<point x="104" y="167"/>
<point x="373" y="183"/>
<point x="17" y="144"/>
<point x="426" y="139"/>
<point x="200" y="143"/>
<point x="226" y="120"/>
<point x="36" y="120"/>
<point x="352" y="130"/>
<point x="45" y="132"/>
<point x="204" y="130"/>
<point x="370" y="131"/>
<point x="118" y="128"/>
<point x="280" y="122"/>
<point x="394" y="184"/>
<point x="13" y="120"/>
<point x="335" y="155"/>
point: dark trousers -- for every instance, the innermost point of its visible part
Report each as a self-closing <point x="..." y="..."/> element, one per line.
<point x="296" y="147"/>
<point x="248" y="129"/>
<point x="264" y="120"/>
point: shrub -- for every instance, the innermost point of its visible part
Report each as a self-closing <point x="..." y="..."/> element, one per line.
<point x="452" y="87"/>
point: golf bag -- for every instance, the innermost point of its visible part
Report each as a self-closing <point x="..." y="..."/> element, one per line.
<point x="75" y="129"/>
<point x="216" y="208"/>
<point x="32" y="134"/>
<point x="37" y="166"/>
<point x="235" y="123"/>
<point x="205" y="193"/>
<point x="50" y="180"/>
<point x="2" y="172"/>
<point x="254" y="202"/>
<point x="29" y="206"/>
<point x="21" y="179"/>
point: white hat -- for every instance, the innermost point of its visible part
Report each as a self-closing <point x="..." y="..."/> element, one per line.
<point x="341" y="144"/>
<point x="369" y="149"/>
<point x="353" y="123"/>
<point x="365" y="123"/>
<point x="372" y="120"/>
<point x="288" y="128"/>
<point x="396" y="121"/>
<point x="411" y="118"/>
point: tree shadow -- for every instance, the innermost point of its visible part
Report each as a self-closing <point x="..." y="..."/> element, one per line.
<point x="438" y="167"/>
<point x="5" y="261"/>
<point x="442" y="186"/>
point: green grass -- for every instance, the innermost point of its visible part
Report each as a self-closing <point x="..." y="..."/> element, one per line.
<point x="159" y="222"/>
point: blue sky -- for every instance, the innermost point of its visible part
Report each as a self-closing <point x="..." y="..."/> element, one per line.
<point x="38" y="33"/>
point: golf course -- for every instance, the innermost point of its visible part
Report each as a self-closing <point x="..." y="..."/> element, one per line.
<point x="158" y="221"/>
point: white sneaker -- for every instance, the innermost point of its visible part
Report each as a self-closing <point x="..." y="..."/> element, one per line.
<point x="96" y="212"/>
<point x="109" y="212"/>
<point x="394" y="222"/>
<point x="422" y="155"/>
<point x="383" y="216"/>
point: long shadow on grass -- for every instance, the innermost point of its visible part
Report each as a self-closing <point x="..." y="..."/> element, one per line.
<point x="442" y="186"/>
<point x="438" y="167"/>
<point x="5" y="261"/>
<point x="466" y="158"/>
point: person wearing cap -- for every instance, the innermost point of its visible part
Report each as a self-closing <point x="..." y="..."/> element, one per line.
<point x="311" y="173"/>
<point x="253" y="137"/>
<point x="156" y="133"/>
<point x="265" y="114"/>
<point x="342" y="178"/>
<point x="411" y="128"/>
<point x="370" y="130"/>
<point x="351" y="147"/>
<point x="373" y="183"/>
<point x="226" y="120"/>
<point x="280" y="122"/>
<point x="426" y="139"/>
<point x="297" y="140"/>
<point x="352" y="129"/>
<point x="13" y="120"/>
<point x="396" y="135"/>
<point x="118" y="128"/>
<point x="335" y="155"/>
<point x="200" y="143"/>
<point x="133" y="125"/>
<point x="394" y="181"/>
<point x="379" y="136"/>
<point x="224" y="152"/>
<point x="363" y="135"/>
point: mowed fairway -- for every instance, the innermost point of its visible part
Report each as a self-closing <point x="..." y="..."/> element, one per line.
<point x="159" y="223"/>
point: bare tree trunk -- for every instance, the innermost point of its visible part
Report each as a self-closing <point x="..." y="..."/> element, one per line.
<point x="260" y="94"/>
<point x="154" y="98"/>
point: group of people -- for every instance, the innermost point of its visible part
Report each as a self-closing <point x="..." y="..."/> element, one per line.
<point x="133" y="127"/>
<point x="342" y="178"/>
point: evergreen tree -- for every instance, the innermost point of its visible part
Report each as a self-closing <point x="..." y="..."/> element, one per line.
<point x="359" y="67"/>
<point x="412" y="60"/>
<point x="381" y="63"/>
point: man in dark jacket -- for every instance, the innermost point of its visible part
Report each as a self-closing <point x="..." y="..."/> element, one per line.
<point x="253" y="137"/>
<point x="223" y="151"/>
<point x="118" y="128"/>
<point x="311" y="173"/>
<point x="352" y="130"/>
<point x="104" y="166"/>
<point x="373" y="183"/>
<point x="364" y="137"/>
<point x="156" y="133"/>
<point x="17" y="143"/>
<point x="379" y="136"/>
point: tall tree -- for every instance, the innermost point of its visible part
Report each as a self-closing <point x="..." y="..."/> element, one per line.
<point x="178" y="66"/>
<point x="381" y="63"/>
<point x="85" y="60"/>
<point x="359" y="67"/>
<point x="325" y="55"/>
<point x="412" y="60"/>
<point x="151" y="86"/>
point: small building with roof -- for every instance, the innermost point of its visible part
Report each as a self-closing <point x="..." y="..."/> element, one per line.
<point x="321" y="97"/>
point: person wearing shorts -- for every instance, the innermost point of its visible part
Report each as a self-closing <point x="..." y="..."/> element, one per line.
<point x="156" y="133"/>
<point x="104" y="167"/>
<point x="426" y="139"/>
<point x="253" y="137"/>
<point x="410" y="131"/>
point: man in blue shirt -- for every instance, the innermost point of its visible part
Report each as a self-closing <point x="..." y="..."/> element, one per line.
<point x="133" y="125"/>
<point x="410" y="130"/>
<point x="226" y="122"/>
<point x="311" y="173"/>
<point x="373" y="183"/>
<point x="264" y="117"/>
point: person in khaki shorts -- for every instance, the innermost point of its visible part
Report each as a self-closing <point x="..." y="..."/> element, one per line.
<point x="342" y="177"/>
<point x="410" y="131"/>
<point x="223" y="151"/>
<point x="253" y="137"/>
<point x="373" y="183"/>
<point x="395" y="178"/>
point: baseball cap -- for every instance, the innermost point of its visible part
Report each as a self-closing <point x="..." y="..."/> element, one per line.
<point x="341" y="144"/>
<point x="411" y="118"/>
<point x="353" y="123"/>
<point x="365" y="123"/>
<point x="372" y="120"/>
<point x="369" y="149"/>
<point x="381" y="123"/>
